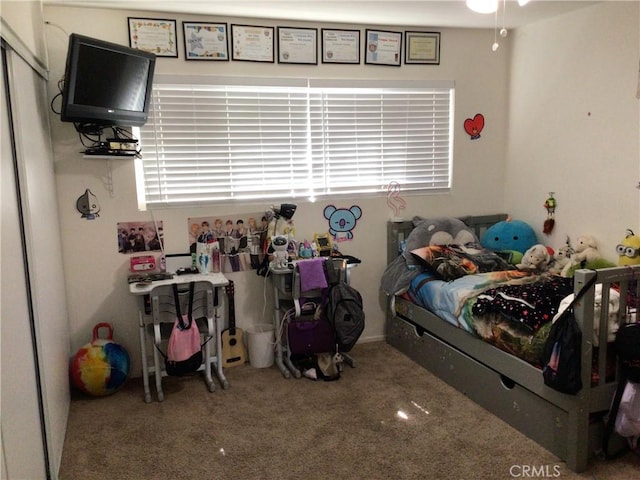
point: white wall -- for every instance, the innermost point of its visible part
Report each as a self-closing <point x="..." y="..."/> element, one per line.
<point x="24" y="17"/>
<point x="96" y="273"/>
<point x="574" y="125"/>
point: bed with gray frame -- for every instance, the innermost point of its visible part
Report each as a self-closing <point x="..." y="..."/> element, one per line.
<point x="508" y="387"/>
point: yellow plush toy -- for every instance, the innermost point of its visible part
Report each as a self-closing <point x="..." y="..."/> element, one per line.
<point x="629" y="250"/>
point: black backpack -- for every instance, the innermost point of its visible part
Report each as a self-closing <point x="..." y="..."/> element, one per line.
<point x="627" y="347"/>
<point x="561" y="356"/>
<point x="344" y="311"/>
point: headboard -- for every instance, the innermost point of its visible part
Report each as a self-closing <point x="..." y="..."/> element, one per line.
<point x="397" y="231"/>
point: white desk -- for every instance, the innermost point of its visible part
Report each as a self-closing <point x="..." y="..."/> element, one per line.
<point x="218" y="280"/>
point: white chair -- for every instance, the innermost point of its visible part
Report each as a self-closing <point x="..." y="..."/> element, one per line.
<point x="158" y="330"/>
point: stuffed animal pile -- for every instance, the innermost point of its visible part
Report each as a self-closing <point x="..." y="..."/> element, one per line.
<point x="536" y="258"/>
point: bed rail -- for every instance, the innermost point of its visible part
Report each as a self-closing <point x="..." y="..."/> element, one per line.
<point x="624" y="280"/>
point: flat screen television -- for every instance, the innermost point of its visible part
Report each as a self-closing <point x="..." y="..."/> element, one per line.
<point x="106" y="84"/>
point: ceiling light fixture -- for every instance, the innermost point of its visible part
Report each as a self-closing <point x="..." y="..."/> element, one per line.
<point x="492" y="6"/>
<point x="495" y="45"/>
<point x="483" y="6"/>
<point x="503" y="30"/>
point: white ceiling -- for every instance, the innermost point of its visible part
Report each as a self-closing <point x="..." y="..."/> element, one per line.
<point x="410" y="13"/>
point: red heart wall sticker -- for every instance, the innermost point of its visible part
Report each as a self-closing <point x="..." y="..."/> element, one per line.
<point x="474" y="126"/>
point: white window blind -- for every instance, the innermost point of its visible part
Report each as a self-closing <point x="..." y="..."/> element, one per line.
<point x="216" y="139"/>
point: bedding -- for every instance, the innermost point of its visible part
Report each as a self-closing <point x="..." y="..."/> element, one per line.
<point x="510" y="309"/>
<point x="453" y="261"/>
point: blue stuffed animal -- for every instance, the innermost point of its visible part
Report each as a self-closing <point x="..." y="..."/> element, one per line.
<point x="514" y="236"/>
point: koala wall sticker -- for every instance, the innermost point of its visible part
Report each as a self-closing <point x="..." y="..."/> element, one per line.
<point x="342" y="221"/>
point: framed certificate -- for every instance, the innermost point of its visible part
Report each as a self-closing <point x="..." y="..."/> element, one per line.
<point x="383" y="48"/>
<point x="252" y="43"/>
<point x="205" y="41"/>
<point x="298" y="45"/>
<point x="422" y="48"/>
<point x="153" y="35"/>
<point x="340" y="46"/>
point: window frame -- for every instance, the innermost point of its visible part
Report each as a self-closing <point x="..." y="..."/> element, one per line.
<point x="315" y="89"/>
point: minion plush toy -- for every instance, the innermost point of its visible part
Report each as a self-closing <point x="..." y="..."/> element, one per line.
<point x="629" y="250"/>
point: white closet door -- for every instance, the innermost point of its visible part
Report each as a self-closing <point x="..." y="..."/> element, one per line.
<point x="22" y="433"/>
<point x="42" y="261"/>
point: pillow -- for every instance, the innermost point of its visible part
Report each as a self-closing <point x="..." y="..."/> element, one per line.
<point x="449" y="262"/>
<point x="445" y="262"/>
<point x="596" y="264"/>
<point x="439" y="231"/>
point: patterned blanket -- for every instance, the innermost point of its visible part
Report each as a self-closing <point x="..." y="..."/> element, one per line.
<point x="510" y="309"/>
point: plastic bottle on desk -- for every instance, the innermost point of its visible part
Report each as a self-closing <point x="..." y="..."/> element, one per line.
<point x="215" y="257"/>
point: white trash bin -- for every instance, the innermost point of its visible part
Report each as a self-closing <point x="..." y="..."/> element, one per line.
<point x="261" y="343"/>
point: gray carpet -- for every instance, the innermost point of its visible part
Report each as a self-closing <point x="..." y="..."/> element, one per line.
<point x="266" y="427"/>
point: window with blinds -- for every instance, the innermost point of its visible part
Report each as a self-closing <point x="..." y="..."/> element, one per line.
<point x="220" y="139"/>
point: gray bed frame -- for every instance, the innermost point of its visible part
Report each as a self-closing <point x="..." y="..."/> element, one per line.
<point x="508" y="387"/>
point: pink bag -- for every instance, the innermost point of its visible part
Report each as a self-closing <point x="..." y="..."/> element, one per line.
<point x="184" y="351"/>
<point x="183" y="342"/>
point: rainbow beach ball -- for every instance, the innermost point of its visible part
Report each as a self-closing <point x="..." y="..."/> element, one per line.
<point x="101" y="367"/>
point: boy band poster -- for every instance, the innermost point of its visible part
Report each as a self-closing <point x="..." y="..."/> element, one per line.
<point x="239" y="240"/>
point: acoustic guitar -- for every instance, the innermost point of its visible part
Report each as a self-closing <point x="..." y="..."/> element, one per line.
<point x="233" y="350"/>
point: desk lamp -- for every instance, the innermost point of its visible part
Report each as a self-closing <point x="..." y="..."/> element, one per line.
<point x="285" y="211"/>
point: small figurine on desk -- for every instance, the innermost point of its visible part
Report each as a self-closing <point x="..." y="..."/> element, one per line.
<point x="305" y="250"/>
<point x="279" y="243"/>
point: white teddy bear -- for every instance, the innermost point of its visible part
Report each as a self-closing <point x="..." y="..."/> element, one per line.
<point x="535" y="258"/>
<point x="561" y="258"/>
<point x="586" y="251"/>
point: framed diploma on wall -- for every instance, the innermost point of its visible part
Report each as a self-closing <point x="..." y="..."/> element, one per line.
<point x="340" y="46"/>
<point x="251" y="43"/>
<point x="298" y="45"/>
<point x="155" y="35"/>
<point x="422" y="48"/>
<point x="205" y="41"/>
<point x="383" y="48"/>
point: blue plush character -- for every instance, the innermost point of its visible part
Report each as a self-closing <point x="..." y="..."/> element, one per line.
<point x="509" y="235"/>
<point x="342" y="220"/>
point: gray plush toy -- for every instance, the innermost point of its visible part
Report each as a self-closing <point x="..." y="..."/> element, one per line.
<point x="439" y="231"/>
